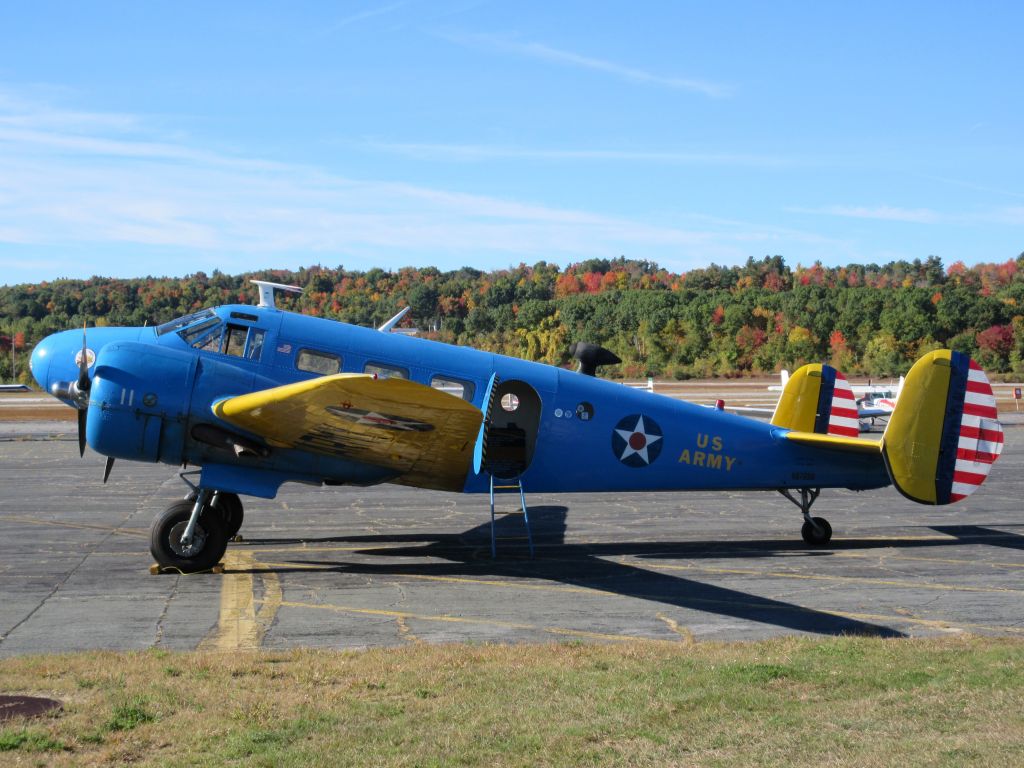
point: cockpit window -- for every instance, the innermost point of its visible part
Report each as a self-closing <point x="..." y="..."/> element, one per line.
<point x="184" y="321"/>
<point x="204" y="335"/>
<point x="212" y="335"/>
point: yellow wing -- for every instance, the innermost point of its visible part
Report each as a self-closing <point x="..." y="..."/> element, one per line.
<point x="420" y="432"/>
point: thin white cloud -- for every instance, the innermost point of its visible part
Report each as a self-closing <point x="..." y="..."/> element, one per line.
<point x="976" y="187"/>
<point x="480" y="152"/>
<point x="1012" y="215"/>
<point x="93" y="181"/>
<point x="622" y="72"/>
<point x="879" y="213"/>
<point x="369" y="13"/>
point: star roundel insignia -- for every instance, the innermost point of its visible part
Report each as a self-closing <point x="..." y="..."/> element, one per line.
<point x="637" y="440"/>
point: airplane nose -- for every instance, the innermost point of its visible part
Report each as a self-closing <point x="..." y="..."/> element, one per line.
<point x="40" y="362"/>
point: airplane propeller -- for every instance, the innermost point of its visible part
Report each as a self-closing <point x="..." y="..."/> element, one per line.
<point x="78" y="392"/>
<point x="83" y="385"/>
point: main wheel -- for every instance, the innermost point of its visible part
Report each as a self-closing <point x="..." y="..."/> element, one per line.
<point x="209" y="539"/>
<point x="230" y="507"/>
<point x="817" y="536"/>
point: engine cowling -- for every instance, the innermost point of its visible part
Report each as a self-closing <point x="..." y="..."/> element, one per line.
<point x="139" y="401"/>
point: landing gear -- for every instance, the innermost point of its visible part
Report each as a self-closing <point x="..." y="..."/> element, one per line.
<point x="188" y="536"/>
<point x="230" y="508"/>
<point x="816" y="531"/>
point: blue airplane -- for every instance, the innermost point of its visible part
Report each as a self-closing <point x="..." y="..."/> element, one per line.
<point x="253" y="397"/>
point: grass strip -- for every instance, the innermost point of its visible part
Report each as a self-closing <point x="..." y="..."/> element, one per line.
<point x="793" y="701"/>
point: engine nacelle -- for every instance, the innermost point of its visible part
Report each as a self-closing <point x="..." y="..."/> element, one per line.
<point x="139" y="401"/>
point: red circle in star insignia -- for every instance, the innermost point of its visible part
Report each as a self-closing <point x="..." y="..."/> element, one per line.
<point x="637" y="440"/>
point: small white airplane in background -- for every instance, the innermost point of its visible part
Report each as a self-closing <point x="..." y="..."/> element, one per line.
<point x="879" y="404"/>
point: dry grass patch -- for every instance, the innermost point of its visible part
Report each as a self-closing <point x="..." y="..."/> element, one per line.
<point x="848" y="701"/>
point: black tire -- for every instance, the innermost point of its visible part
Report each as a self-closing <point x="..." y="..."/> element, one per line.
<point x="230" y="508"/>
<point x="209" y="539"/>
<point x="817" y="537"/>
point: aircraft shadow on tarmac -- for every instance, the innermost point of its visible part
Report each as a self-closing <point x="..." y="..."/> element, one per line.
<point x="593" y="565"/>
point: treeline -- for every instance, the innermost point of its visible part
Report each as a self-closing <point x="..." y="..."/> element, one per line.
<point x="717" y="321"/>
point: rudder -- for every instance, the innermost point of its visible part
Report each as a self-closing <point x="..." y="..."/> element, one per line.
<point x="944" y="434"/>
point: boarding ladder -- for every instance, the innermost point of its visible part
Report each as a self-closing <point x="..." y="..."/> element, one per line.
<point x="509" y="484"/>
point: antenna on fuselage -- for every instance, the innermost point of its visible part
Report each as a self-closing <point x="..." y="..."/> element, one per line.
<point x="267" y="291"/>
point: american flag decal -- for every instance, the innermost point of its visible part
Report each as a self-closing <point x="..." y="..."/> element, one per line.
<point x="981" y="435"/>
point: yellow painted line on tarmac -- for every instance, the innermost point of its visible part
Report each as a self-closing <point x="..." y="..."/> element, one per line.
<point x="923" y="537"/>
<point x="474" y="620"/>
<point x="916" y="558"/>
<point x="303" y="548"/>
<point x="940" y="624"/>
<point x="684" y="632"/>
<point x="240" y="625"/>
<point x="504" y="583"/>
<point x="820" y="577"/>
<point x="80" y="526"/>
<point x="302" y="566"/>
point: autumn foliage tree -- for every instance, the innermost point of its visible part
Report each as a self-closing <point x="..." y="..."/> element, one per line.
<point x="752" y="318"/>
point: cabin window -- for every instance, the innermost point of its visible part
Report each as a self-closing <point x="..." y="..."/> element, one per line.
<point x="322" y="363"/>
<point x="255" y="345"/>
<point x="509" y="402"/>
<point x="383" y="371"/>
<point x="456" y="387"/>
<point x="234" y="343"/>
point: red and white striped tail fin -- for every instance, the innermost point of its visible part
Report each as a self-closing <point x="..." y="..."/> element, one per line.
<point x="944" y="434"/>
<point x="981" y="435"/>
<point x="843" y="419"/>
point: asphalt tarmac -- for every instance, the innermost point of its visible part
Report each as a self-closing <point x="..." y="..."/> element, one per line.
<point x="353" y="568"/>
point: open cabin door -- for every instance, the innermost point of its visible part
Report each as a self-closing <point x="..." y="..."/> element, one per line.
<point x="508" y="435"/>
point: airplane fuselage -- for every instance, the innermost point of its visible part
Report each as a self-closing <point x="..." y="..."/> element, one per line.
<point x="153" y="390"/>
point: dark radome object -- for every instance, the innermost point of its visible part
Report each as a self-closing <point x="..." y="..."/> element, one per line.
<point x="26" y="706"/>
<point x="591" y="356"/>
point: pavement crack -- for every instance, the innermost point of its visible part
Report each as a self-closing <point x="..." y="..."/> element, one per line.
<point x="67" y="576"/>
<point x="163" y="614"/>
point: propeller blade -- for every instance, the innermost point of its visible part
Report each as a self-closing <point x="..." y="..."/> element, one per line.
<point x="83" y="367"/>
<point x="106" y="469"/>
<point x="81" y="431"/>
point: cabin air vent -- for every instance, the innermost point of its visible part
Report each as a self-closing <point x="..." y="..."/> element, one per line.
<point x="591" y="356"/>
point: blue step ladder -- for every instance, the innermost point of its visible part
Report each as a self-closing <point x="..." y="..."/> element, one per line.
<point x="509" y="484"/>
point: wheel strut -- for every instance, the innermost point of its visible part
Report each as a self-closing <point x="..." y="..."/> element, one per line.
<point x="816" y="530"/>
<point x="202" y="497"/>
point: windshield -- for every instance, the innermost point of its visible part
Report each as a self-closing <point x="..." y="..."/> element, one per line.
<point x="204" y="335"/>
<point x="181" y="322"/>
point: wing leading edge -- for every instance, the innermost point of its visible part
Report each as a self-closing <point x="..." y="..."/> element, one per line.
<point x="423" y="434"/>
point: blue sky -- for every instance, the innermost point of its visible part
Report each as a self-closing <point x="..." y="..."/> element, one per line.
<point x="166" y="138"/>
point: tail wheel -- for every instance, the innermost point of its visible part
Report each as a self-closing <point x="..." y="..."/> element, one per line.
<point x="209" y="539"/>
<point x="230" y="508"/>
<point x="817" y="532"/>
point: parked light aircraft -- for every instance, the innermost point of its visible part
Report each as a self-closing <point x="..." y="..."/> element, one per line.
<point x="253" y="397"/>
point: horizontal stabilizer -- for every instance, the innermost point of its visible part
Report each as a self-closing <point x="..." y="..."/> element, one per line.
<point x="835" y="442"/>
